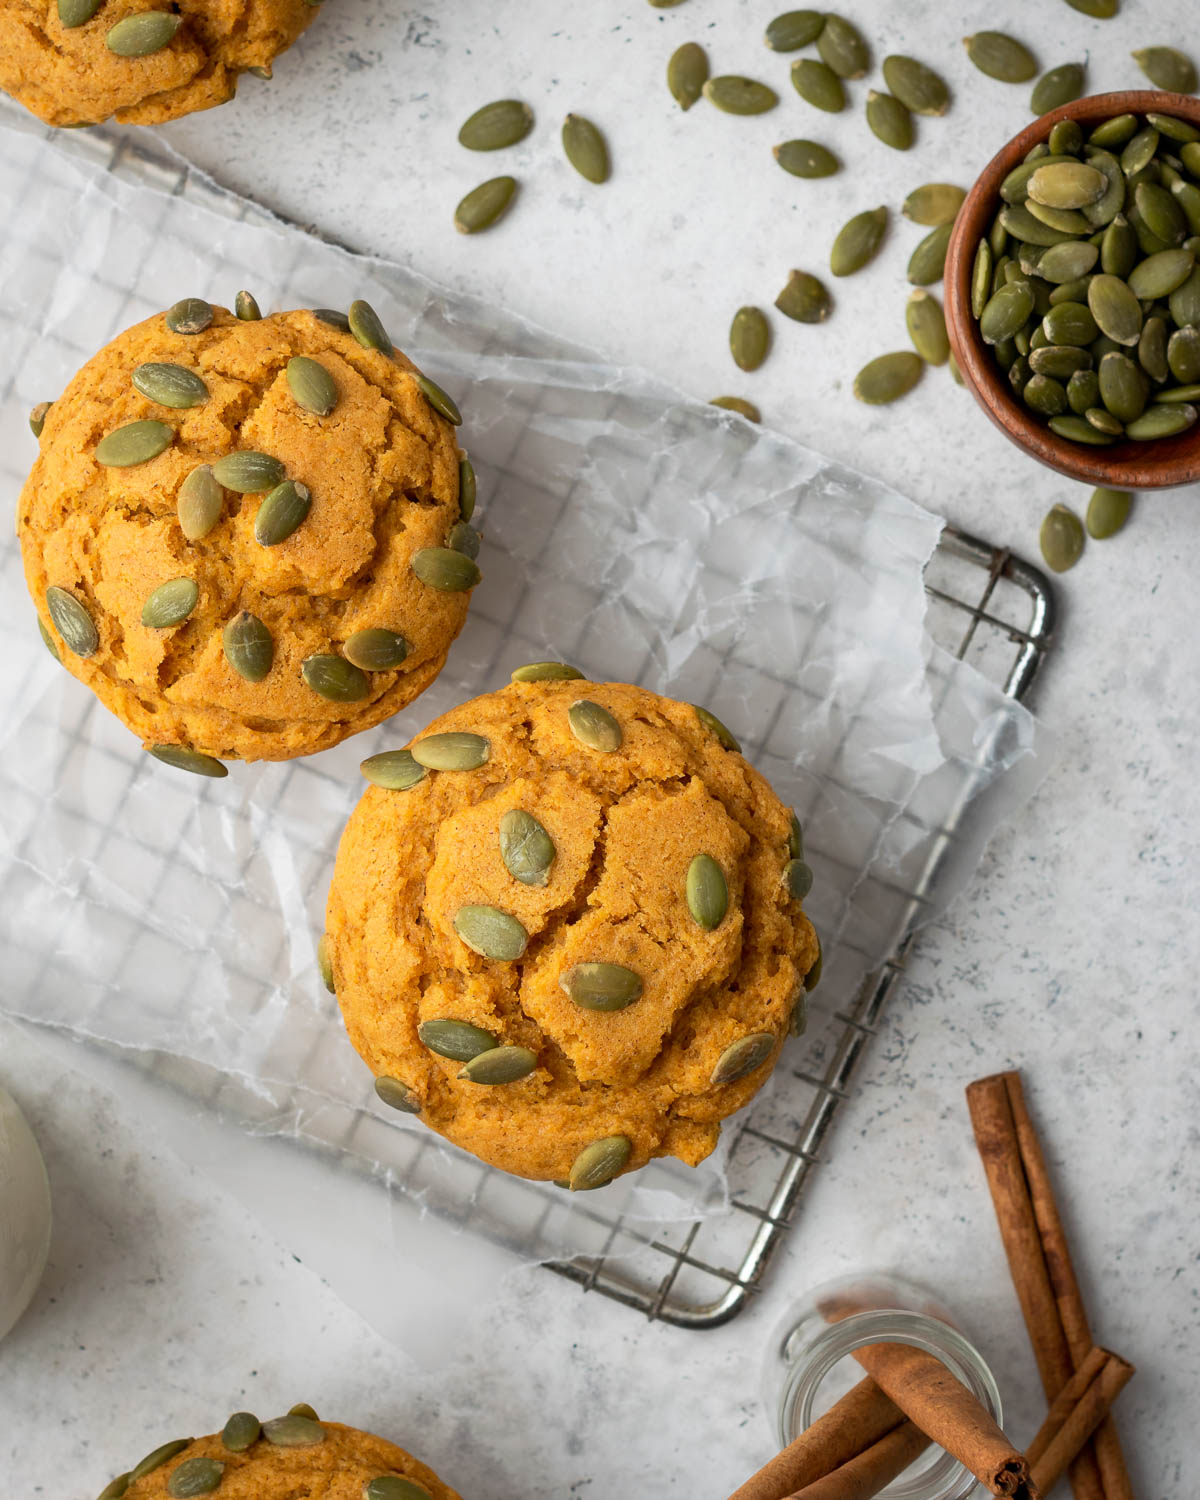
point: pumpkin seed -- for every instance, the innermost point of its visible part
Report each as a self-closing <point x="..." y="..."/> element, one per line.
<point x="1159" y="275"/>
<point x="1139" y="151"/>
<point x="813" y="977"/>
<point x="888" y="377"/>
<point x="525" y="847"/>
<point x="711" y="722"/>
<point x="1103" y="10"/>
<point x="795" y="843"/>
<point x="199" y="503"/>
<point x="246" y="308"/>
<point x="927" y="327"/>
<point x="48" y="641"/>
<point x="367" y="327"/>
<point x="934" y="203"/>
<point x="601" y="986"/>
<point x="192" y="314"/>
<point x="706" y="889"/>
<point x="293" y="1431"/>
<point x="804" y="298"/>
<point x="333" y="318"/>
<point x="140" y="35"/>
<point x="600" y="1162"/>
<point x="457" y="1040"/>
<point x="453" y="750"/>
<point x="72" y="621"/>
<point x="1015" y="187"/>
<point x="1071" y="322"/>
<point x="497" y="125"/>
<point x="1112" y="201"/>
<point x="1153" y="350"/>
<point x="491" y="933"/>
<point x="1104" y="421"/>
<point x="1060" y="362"/>
<point x="1065" y="138"/>
<point x="394" y="770"/>
<point x="927" y="263"/>
<point x="1123" y="387"/>
<point x="842" y="48"/>
<point x="135" y="443"/>
<point x="170" y="385"/>
<point x="302" y="1409"/>
<point x="1078" y="430"/>
<point x="443" y="568"/>
<point x="158" y="1457"/>
<point x="1006" y="311"/>
<point x="466" y="488"/>
<point x="740" y="96"/>
<point x="749" y="338"/>
<point x="1183" y="355"/>
<point x="393" y="1487"/>
<point x="1059" y="86"/>
<point x="485" y="205"/>
<point x="889" y="120"/>
<point x="325" y="964"/>
<point x="376" y="649"/>
<point x="1161" y="421"/>
<point x="745" y="409"/>
<point x="1000" y="56"/>
<point x="499" y="1065"/>
<point x="981" y="279"/>
<point x="1066" y="185"/>
<point x="545" y="671"/>
<point x="1119" y="248"/>
<point x="1161" y="213"/>
<point x="180" y="758"/>
<point x="397" y="1095"/>
<point x="1044" y="395"/>
<point x="593" y="726"/>
<point x="798" y="877"/>
<point x="1173" y="128"/>
<point x="1167" y="68"/>
<point x="1187" y="196"/>
<point x="334" y="678"/>
<point x="585" y="148"/>
<point x="311" y="385"/>
<point x="195" y="1476"/>
<point x="794" y="29"/>
<point x="819" y="85"/>
<point x="74" y="13"/>
<point x="439" y="400"/>
<point x="1061" y="539"/>
<point x="687" y="73"/>
<point x="115" y="1488"/>
<point x="743" y="1057"/>
<point x="282" y="513"/>
<point x="247" y="472"/>
<point x="1019" y="375"/>
<point x="170" y="603"/>
<point x="248" y="646"/>
<point x="858" y="242"/>
<point x="806" y="159"/>
<point x="1114" y="132"/>
<point x="1083" y="391"/>
<point x="1107" y="512"/>
<point x="37" y="417"/>
<point x="1184" y="302"/>
<point x="1069" y="220"/>
<point x="798" y="1020"/>
<point x="1188" y="393"/>
<point x="917" y="87"/>
<point x="1115" y="309"/>
<point x="1068" y="262"/>
<point x="1071" y="291"/>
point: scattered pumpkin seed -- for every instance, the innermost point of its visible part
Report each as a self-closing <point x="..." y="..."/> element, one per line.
<point x="749" y="338"/>
<point x="491" y="933"/>
<point x="927" y="263"/>
<point x="460" y="1041"/>
<point x="293" y="1431"/>
<point x="247" y="472"/>
<point x="743" y="408"/>
<point x="736" y="95"/>
<point x="134" y="443"/>
<point x="443" y="568"/>
<point x="72" y="621"/>
<point x="794" y="29"/>
<point x="525" y="847"/>
<point x="192" y="314"/>
<point x="334" y="678"/>
<point x="199" y="503"/>
<point x="393" y="1487"/>
<point x="397" y="1095"/>
<point x="804" y="299"/>
<point x="1059" y="86"/>
<point x="1107" y="512"/>
<point x="889" y="120"/>
<point x="841" y="48"/>
<point x="934" y="204"/>
<point x="195" y="1476"/>
<point x="311" y="385"/>
<point x="818" y="84"/>
<point x="1061" y="538"/>
<point x="926" y="325"/>
<point x="593" y="726"/>
<point x="170" y="385"/>
<point x="1001" y="56"/>
<point x="1161" y="421"/>
<point x="601" y="986"/>
<point x="497" y="125"/>
<point x="586" y="149"/>
<point x="706" y="890"/>
<point x="282" y="513"/>
<point x="170" y="603"/>
<point x="394" y="770"/>
<point x="439" y="400"/>
<point x="376" y="649"/>
<point x="806" y="159"/>
<point x="499" y="1065"/>
<point x="687" y="73"/>
<point x="453" y="750"/>
<point x="1103" y="10"/>
<point x="180" y="758"/>
<point x="1167" y="68"/>
<point x="888" y="377"/>
<point x="246" y="308"/>
<point x="248" y="646"/>
<point x="325" y="964"/>
<point x="743" y="1057"/>
<point x="545" y="671"/>
<point x="367" y="327"/>
<point x="710" y="721"/>
<point x="600" y="1162"/>
<point x="858" y="242"/>
<point x="917" y="87"/>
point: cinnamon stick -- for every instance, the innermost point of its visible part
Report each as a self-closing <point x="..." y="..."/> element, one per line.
<point x="850" y="1426"/>
<point x="1039" y="1261"/>
<point x="1078" y="1410"/>
<point x="872" y="1470"/>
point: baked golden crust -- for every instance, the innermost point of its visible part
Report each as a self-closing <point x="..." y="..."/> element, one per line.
<point x="383" y="471"/>
<point x="68" y="75"/>
<point x="626" y="827"/>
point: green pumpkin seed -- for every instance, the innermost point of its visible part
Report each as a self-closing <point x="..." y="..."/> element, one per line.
<point x="1065" y="138"/>
<point x="798" y="1020"/>
<point x="795" y="843"/>
<point x="72" y="621"/>
<point x="927" y="327"/>
<point x="743" y="408"/>
<point x="804" y="299"/>
<point x="1060" y="362"/>
<point x="1115" y="309"/>
<point x="749" y="338"/>
<point x="917" y="87"/>
<point x="135" y="443"/>
<point x="794" y="29"/>
<point x="1124" y="388"/>
<point x="706" y="889"/>
<point x="687" y="73"/>
<point x="282" y="513"/>
<point x="1190" y="158"/>
<point x="1061" y="539"/>
<point x="170" y="603"/>
<point x="806" y="159"/>
<point x="525" y="847"/>
<point x="743" y="1057"/>
<point x="302" y="1409"/>
<point x="499" y="1065"/>
<point x="497" y="125"/>
<point x="1112" y="201"/>
<point x="334" y="678"/>
<point x="1069" y="220"/>
<point x="927" y="263"/>
<point x="325" y="964"/>
<point x="180" y="758"/>
<point x="466" y="488"/>
<point x="443" y="568"/>
<point x="1119" y="248"/>
<point x="1183" y="355"/>
<point x="393" y="1487"/>
<point x="48" y="641"/>
<point x="1173" y="128"/>
<point x="1068" y="262"/>
<point x="1078" y="430"/>
<point x="1107" y="512"/>
<point x="546" y="671"/>
<point x="1187" y="196"/>
<point x="1152" y="350"/>
<point x="819" y="85"/>
<point x="158" y="1457"/>
<point x="740" y="96"/>
<point x="195" y="1476"/>
<point x="115" y="1488"/>
<point x="439" y="400"/>
<point x="600" y="1162"/>
<point x="491" y="933"/>
<point x="934" y="204"/>
<point x="842" y="48"/>
<point x="170" y="385"/>
<point x="1000" y="56"/>
<point x="601" y="986"/>
<point x="248" y="646"/>
<point x="376" y="649"/>
<point x="311" y="385"/>
<point x="889" y="121"/>
<point x="1083" y="391"/>
<point x="1006" y="311"/>
<point x="37" y="417"/>
<point x="140" y="35"/>
<point x="1059" y="86"/>
<point x="1184" y="302"/>
<point x="293" y="1431"/>
<point x="199" y="503"/>
<point x="453" y="750"/>
<point x="1114" y="132"/>
<point x="585" y="148"/>
<point x="888" y="377"/>
<point x="1103" y="10"/>
<point x="1070" y="291"/>
<point x="1066" y="185"/>
<point x="1019" y="375"/>
<point x="1015" y="187"/>
<point x="1161" y="421"/>
<point x="247" y="472"/>
<point x="798" y="877"/>
<point x="485" y="205"/>
<point x="1167" y="68"/>
<point x="457" y="1040"/>
<point x="1159" y="275"/>
<point x="1139" y="151"/>
<point x="367" y="327"/>
<point x="394" y="770"/>
<point x="192" y="314"/>
<point x="1044" y="395"/>
<point x="858" y="242"/>
<point x="593" y="726"/>
<point x="1007" y="353"/>
<point x="246" y="308"/>
<point x="710" y="721"/>
<point x="74" y="13"/>
<point x="397" y="1095"/>
<point x="1161" y="213"/>
<point x="981" y="279"/>
<point x="1188" y="393"/>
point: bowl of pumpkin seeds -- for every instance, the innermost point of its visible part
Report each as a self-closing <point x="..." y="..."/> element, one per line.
<point x="1073" y="289"/>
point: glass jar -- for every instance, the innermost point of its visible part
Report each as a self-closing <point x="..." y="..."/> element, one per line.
<point x="809" y="1366"/>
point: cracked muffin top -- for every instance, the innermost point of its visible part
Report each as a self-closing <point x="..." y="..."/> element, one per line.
<point x="78" y="62"/>
<point x="295" y="1457"/>
<point x="565" y="927"/>
<point x="245" y="534"/>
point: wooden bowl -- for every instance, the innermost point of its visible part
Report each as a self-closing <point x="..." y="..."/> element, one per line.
<point x="1158" y="464"/>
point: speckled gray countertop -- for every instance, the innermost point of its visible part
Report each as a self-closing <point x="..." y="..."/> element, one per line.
<point x="1073" y="954"/>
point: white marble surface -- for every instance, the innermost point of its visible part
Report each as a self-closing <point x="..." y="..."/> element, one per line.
<point x="1073" y="955"/>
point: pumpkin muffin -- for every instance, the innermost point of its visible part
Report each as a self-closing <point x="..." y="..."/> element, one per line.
<point x="296" y="1457"/>
<point x="565" y="927"/>
<point x="248" y="535"/>
<point x="76" y="62"/>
